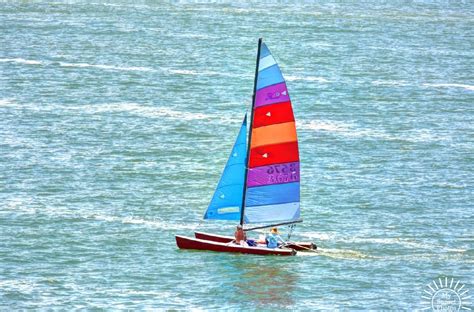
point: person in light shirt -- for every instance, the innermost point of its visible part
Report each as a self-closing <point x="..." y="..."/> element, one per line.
<point x="274" y="239"/>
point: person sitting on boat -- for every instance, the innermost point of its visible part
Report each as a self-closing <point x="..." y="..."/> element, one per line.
<point x="240" y="236"/>
<point x="274" y="239"/>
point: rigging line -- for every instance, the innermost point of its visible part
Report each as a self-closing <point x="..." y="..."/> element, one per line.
<point x="292" y="226"/>
<point x="272" y="225"/>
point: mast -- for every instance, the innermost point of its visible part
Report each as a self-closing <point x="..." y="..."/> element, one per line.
<point x="250" y="132"/>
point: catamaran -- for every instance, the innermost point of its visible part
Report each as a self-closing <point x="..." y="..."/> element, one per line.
<point x="261" y="180"/>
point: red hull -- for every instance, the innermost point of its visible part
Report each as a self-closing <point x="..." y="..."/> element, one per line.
<point x="200" y="244"/>
<point x="299" y="246"/>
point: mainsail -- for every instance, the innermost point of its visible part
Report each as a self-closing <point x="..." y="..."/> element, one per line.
<point x="273" y="179"/>
<point x="261" y="180"/>
<point x="226" y="204"/>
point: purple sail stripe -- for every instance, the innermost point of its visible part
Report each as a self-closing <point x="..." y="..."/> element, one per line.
<point x="274" y="174"/>
<point x="272" y="94"/>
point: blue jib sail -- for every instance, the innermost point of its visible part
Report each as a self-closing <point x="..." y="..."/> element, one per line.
<point x="226" y="204"/>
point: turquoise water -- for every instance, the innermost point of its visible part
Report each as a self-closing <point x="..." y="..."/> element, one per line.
<point x="117" y="119"/>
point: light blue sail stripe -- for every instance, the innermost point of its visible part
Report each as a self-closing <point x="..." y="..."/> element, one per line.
<point x="273" y="213"/>
<point x="269" y="76"/>
<point x="226" y="204"/>
<point x="272" y="194"/>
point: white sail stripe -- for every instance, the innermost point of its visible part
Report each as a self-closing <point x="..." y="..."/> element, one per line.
<point x="266" y="62"/>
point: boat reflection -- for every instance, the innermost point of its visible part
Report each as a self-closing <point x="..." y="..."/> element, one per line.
<point x="267" y="281"/>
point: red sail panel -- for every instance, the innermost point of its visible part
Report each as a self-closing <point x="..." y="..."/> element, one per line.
<point x="273" y="154"/>
<point x="272" y="114"/>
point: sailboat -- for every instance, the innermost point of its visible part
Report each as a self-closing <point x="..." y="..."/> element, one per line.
<point x="261" y="180"/>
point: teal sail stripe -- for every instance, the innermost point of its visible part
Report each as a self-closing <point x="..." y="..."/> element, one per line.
<point x="226" y="204"/>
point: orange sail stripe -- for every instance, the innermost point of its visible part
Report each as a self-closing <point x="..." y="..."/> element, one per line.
<point x="273" y="154"/>
<point x="273" y="134"/>
<point x="272" y="114"/>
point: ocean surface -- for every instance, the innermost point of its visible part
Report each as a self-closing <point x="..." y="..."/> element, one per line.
<point x="117" y="119"/>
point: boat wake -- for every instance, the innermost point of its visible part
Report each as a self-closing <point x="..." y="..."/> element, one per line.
<point x="449" y="85"/>
<point x="335" y="254"/>
<point x="20" y="61"/>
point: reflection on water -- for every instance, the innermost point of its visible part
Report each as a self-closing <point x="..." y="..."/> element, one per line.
<point x="269" y="280"/>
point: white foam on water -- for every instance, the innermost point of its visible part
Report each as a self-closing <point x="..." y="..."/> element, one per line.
<point x="6" y="102"/>
<point x="398" y="83"/>
<point x="21" y="61"/>
<point x="319" y="236"/>
<point x="17" y="204"/>
<point x="306" y="78"/>
<point x="183" y="72"/>
<point x="147" y="111"/>
<point x="403" y="83"/>
<point x="16" y="286"/>
<point x="106" y="67"/>
<point x="240" y="10"/>
<point x="352" y="131"/>
<point x="188" y="72"/>
<point x="449" y="85"/>
<point x="25" y="206"/>
<point x="155" y="224"/>
<point x="132" y="108"/>
<point x="324" y="125"/>
<point x="449" y="185"/>
<point x="193" y="36"/>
